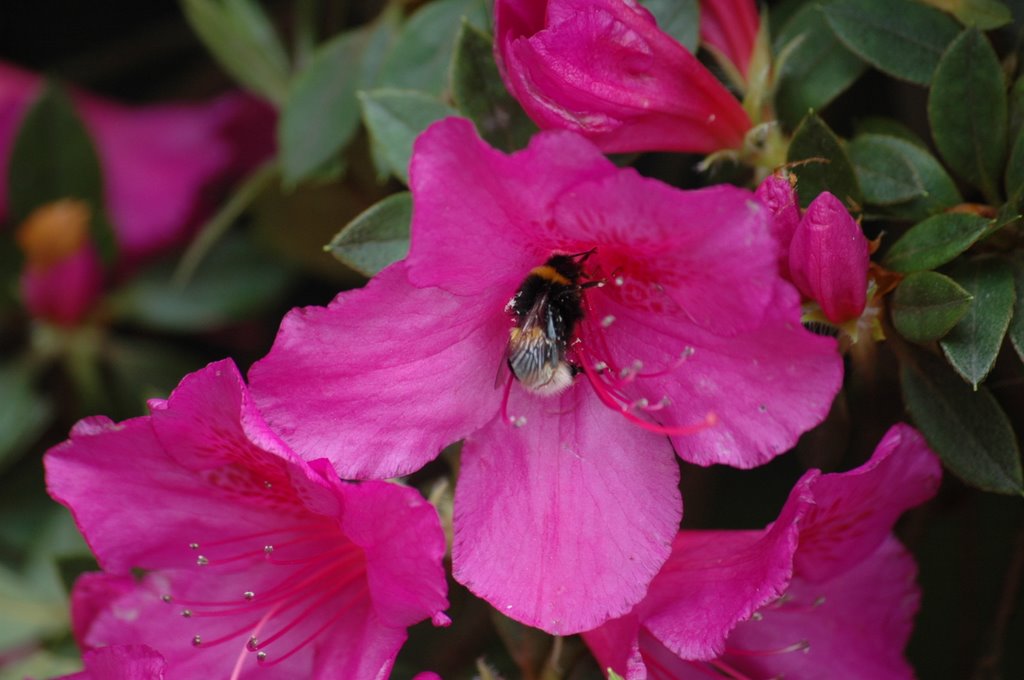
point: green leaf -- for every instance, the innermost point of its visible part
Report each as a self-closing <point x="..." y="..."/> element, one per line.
<point x="940" y="190"/>
<point x="395" y="118"/>
<point x="926" y="305"/>
<point x="376" y="237"/>
<point x="880" y="125"/>
<point x="935" y="241"/>
<point x="25" y="413"/>
<point x="884" y="173"/>
<point x="1016" y="330"/>
<point x="422" y="52"/>
<point x="53" y="157"/>
<point x="321" y="114"/>
<point x="902" y="38"/>
<point x="985" y="14"/>
<point x="244" y="42"/>
<point x="967" y="111"/>
<point x="235" y="281"/>
<point x="817" y="68"/>
<point x="480" y="94"/>
<point x="973" y="344"/>
<point x="1013" y="180"/>
<point x="822" y="163"/>
<point x="679" y="18"/>
<point x="967" y="428"/>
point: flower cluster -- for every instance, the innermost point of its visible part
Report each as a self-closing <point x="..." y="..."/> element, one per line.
<point x="577" y="327"/>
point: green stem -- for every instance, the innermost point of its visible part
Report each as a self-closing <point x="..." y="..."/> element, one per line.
<point x="219" y="224"/>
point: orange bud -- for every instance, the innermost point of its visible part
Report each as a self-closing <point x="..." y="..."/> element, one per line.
<point x="54" y="232"/>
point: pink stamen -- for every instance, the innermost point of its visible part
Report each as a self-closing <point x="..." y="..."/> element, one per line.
<point x="334" y="590"/>
<point x="727" y="670"/>
<point x="312" y="636"/>
<point x="802" y="645"/>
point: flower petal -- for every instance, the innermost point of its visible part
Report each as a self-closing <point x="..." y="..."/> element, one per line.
<point x="384" y="378"/>
<point x="562" y="523"/>
<point x="856" y="510"/>
<point x="764" y="387"/>
<point x="779" y="196"/>
<point x="855" y="625"/>
<point x="478" y="212"/>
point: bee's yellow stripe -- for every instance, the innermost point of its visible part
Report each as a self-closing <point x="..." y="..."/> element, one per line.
<point x="549" y="273"/>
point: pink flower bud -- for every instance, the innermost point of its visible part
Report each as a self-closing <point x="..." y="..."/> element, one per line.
<point x="779" y="196"/>
<point x="828" y="259"/>
<point x="730" y="28"/>
<point x="604" y="69"/>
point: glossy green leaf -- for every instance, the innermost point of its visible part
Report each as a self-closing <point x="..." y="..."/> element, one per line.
<point x="967" y="111"/>
<point x="376" y="237"/>
<point x="940" y="190"/>
<point x="422" y="52"/>
<point x="244" y="42"/>
<point x="935" y="241"/>
<point x="822" y="163"/>
<point x="902" y="38"/>
<point x="887" y="127"/>
<point x="679" y="18"/>
<point x="1016" y="330"/>
<point x="53" y="157"/>
<point x="973" y="344"/>
<point x="817" y="68"/>
<point x="967" y="428"/>
<point x="235" y="281"/>
<point x="926" y="305"/>
<point x="25" y="413"/>
<point x="395" y="118"/>
<point x="480" y="94"/>
<point x="884" y="173"/>
<point x="985" y="14"/>
<point x="1013" y="180"/>
<point x="322" y="113"/>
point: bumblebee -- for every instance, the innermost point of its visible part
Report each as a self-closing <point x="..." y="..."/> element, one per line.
<point x="547" y="307"/>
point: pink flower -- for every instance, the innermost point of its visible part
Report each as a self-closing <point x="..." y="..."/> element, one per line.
<point x="824" y="253"/>
<point x="825" y="591"/>
<point x="604" y="69"/>
<point x="566" y="503"/>
<point x="729" y="29"/>
<point x="121" y="662"/>
<point x="252" y="556"/>
<point x="163" y="166"/>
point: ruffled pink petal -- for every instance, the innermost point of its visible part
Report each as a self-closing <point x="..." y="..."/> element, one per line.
<point x="779" y="195"/>
<point x="65" y="292"/>
<point x="561" y="523"/>
<point x="385" y="377"/>
<point x="715" y="579"/>
<point x="92" y="593"/>
<point x="856" y="510"/>
<point x="730" y="26"/>
<point x="401" y="536"/>
<point x="828" y="259"/>
<point x="605" y="70"/>
<point x="854" y="625"/>
<point x="764" y="387"/>
<point x="478" y="211"/>
<point x="682" y="257"/>
<point x="121" y="662"/>
<point x="368" y="651"/>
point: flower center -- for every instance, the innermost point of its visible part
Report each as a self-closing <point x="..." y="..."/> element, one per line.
<point x="293" y="583"/>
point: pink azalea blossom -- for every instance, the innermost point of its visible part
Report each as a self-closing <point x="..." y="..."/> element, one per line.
<point x="256" y="563"/>
<point x="65" y="292"/>
<point x="604" y="69"/>
<point x="729" y="28"/>
<point x="824" y="252"/>
<point x="163" y="166"/>
<point x="566" y="504"/>
<point x="824" y="591"/>
<point x="121" y="662"/>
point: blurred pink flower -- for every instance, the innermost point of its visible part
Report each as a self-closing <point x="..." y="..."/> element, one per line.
<point x="566" y="504"/>
<point x="604" y="69"/>
<point x="824" y="252"/>
<point x="824" y="591"/>
<point x="729" y="28"/>
<point x="164" y="166"/>
<point x="257" y="563"/>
